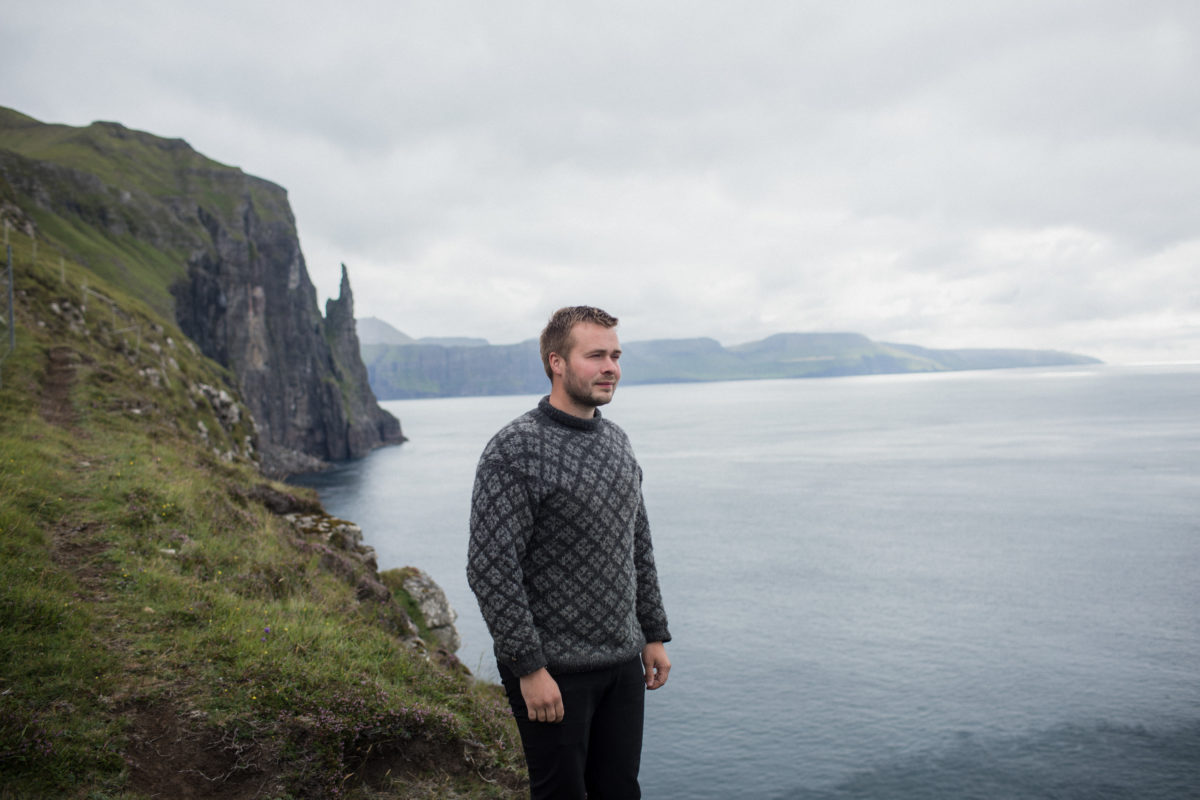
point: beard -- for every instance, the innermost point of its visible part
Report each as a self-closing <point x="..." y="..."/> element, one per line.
<point x="584" y="393"/>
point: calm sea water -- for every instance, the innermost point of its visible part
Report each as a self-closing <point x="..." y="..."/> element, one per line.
<point x="965" y="585"/>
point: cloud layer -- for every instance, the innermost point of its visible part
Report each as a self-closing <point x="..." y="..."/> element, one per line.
<point x="940" y="173"/>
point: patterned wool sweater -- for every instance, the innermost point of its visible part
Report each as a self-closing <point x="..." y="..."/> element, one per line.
<point x="560" y="557"/>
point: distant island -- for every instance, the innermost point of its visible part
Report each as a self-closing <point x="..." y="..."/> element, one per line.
<point x="400" y="367"/>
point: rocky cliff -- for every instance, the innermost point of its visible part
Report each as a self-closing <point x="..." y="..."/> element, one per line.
<point x="217" y="251"/>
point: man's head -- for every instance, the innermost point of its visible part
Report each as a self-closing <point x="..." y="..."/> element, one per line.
<point x="580" y="350"/>
<point x="556" y="336"/>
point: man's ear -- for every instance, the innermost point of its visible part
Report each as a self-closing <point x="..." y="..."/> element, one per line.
<point x="557" y="364"/>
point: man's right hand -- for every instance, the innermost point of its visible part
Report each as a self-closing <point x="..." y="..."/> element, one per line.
<point x="543" y="701"/>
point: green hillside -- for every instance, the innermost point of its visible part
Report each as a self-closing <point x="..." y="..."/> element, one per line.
<point x="118" y="181"/>
<point x="172" y="624"/>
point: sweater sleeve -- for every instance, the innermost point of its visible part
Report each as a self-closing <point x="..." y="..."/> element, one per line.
<point x="650" y="612"/>
<point x="502" y="518"/>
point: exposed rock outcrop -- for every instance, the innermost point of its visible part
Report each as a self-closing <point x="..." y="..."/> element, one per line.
<point x="248" y="302"/>
<point x="366" y="423"/>
<point x="431" y="600"/>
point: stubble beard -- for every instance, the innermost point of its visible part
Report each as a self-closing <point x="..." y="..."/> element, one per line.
<point x="585" y="394"/>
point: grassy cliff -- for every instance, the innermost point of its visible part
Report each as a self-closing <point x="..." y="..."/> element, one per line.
<point x="108" y="193"/>
<point x="174" y="625"/>
<point x="214" y="251"/>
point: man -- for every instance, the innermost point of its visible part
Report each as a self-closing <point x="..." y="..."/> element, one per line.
<point x="561" y="563"/>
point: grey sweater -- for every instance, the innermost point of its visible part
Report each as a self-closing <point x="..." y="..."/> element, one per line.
<point x="560" y="557"/>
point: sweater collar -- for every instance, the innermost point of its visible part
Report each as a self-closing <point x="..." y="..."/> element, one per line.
<point x="569" y="420"/>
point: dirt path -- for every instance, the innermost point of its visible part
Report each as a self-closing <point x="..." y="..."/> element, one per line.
<point x="56" y="388"/>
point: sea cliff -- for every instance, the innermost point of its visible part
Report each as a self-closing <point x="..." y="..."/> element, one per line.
<point x="215" y="251"/>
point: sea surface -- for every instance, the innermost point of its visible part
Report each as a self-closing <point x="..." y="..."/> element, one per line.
<point x="959" y="585"/>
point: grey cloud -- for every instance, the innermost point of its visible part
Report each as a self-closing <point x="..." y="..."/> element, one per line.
<point x="925" y="168"/>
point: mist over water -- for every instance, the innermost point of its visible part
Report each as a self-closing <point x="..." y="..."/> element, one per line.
<point x="957" y="585"/>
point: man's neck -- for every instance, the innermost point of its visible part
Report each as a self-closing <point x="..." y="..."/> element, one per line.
<point x="563" y="402"/>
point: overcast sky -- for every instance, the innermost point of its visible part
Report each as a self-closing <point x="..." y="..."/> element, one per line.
<point x="1021" y="173"/>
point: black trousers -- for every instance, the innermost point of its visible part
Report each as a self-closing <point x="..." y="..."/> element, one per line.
<point x="596" y="751"/>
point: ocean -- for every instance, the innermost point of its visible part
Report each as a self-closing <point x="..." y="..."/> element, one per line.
<point x="954" y="585"/>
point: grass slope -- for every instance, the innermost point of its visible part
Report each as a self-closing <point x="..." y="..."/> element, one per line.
<point x="136" y="201"/>
<point x="165" y="629"/>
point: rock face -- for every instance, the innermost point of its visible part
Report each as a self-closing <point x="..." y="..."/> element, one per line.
<point x="435" y="370"/>
<point x="429" y="597"/>
<point x="217" y="250"/>
<point x="367" y="424"/>
<point x="248" y="302"/>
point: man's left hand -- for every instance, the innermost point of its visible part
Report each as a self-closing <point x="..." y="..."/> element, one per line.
<point x="658" y="666"/>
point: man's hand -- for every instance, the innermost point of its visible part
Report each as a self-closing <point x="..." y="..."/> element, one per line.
<point x="543" y="701"/>
<point x="658" y="666"/>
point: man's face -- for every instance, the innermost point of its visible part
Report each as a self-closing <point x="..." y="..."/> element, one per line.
<point x="590" y="370"/>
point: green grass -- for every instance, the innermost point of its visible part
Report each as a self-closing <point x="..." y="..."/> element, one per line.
<point x="144" y="590"/>
<point x="136" y="161"/>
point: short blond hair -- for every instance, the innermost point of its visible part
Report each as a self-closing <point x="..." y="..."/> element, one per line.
<point x="556" y="336"/>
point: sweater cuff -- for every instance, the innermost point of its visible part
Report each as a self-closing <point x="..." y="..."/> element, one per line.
<point x="656" y="635"/>
<point x="524" y="663"/>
